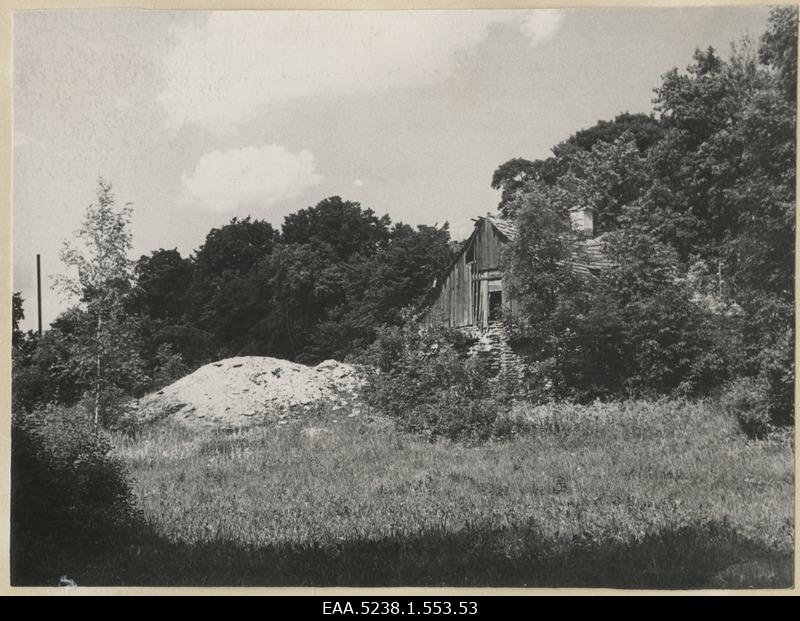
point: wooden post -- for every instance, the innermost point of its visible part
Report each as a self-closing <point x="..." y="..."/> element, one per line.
<point x="39" y="290"/>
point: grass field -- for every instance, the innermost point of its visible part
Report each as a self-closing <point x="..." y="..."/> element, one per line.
<point x="637" y="494"/>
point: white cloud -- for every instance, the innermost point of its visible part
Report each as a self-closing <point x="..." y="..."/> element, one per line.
<point x="252" y="176"/>
<point x="358" y="183"/>
<point x="541" y="25"/>
<point x="221" y="72"/>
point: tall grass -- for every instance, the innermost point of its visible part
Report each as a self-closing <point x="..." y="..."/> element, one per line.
<point x="636" y="494"/>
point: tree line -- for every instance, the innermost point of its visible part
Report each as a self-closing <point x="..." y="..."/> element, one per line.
<point x="312" y="290"/>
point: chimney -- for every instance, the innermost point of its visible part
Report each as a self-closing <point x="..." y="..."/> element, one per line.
<point x="583" y="220"/>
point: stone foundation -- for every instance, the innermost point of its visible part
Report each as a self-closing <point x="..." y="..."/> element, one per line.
<point x="492" y="346"/>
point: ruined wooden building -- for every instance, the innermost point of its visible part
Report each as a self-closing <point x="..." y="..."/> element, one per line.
<point x="474" y="295"/>
<point x="470" y="292"/>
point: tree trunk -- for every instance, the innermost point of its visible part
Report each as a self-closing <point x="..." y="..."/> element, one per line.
<point x="97" y="378"/>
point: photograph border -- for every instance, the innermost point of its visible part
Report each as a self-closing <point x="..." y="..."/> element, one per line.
<point x="6" y="218"/>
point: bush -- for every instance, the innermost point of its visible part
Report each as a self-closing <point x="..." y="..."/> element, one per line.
<point x="69" y="498"/>
<point x="454" y="416"/>
<point x="747" y="400"/>
<point x="425" y="380"/>
<point x="777" y="372"/>
<point x="44" y="370"/>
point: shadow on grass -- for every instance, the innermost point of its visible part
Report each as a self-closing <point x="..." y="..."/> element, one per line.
<point x="707" y="556"/>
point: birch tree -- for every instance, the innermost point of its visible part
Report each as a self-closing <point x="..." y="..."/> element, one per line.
<point x="99" y="275"/>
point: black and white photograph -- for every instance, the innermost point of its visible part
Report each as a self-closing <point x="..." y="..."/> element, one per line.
<point x="448" y="298"/>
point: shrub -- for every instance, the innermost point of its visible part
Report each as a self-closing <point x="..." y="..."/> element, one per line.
<point x="69" y="497"/>
<point x="454" y="416"/>
<point x="44" y="370"/>
<point x="747" y="400"/>
<point x="777" y="372"/>
<point x="425" y="380"/>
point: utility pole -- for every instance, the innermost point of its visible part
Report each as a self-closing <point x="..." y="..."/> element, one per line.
<point x="39" y="290"/>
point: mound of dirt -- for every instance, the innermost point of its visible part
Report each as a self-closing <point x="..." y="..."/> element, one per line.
<point x="251" y="389"/>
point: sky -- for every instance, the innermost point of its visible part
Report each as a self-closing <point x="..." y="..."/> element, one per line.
<point x="199" y="117"/>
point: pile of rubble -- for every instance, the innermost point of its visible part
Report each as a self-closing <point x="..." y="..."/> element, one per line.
<point x="252" y="389"/>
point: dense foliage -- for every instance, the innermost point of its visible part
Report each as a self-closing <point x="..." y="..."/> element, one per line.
<point x="695" y="208"/>
<point x="426" y="382"/>
<point x="69" y="498"/>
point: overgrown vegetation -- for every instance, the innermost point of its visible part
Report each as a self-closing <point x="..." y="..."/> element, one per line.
<point x="424" y="380"/>
<point x="70" y="500"/>
<point x="590" y="485"/>
<point x="641" y="327"/>
<point x="696" y="208"/>
<point x="636" y="494"/>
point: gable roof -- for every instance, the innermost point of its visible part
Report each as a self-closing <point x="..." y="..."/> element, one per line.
<point x="506" y="228"/>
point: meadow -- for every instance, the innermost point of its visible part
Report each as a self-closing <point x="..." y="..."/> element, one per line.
<point x="668" y="494"/>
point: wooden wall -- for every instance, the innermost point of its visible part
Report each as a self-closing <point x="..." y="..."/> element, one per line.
<point x="488" y="245"/>
<point x="459" y="300"/>
<point x="452" y="305"/>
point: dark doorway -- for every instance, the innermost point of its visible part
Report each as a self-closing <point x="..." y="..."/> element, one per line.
<point x="495" y="305"/>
